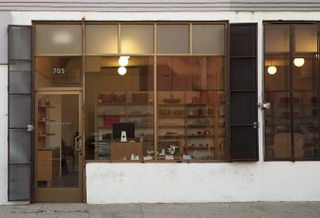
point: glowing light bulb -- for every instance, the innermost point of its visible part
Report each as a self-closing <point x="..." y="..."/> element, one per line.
<point x="298" y="62"/>
<point x="122" y="71"/>
<point x="123" y="61"/>
<point x="272" y="70"/>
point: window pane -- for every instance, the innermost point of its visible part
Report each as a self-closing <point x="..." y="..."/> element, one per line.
<point x="57" y="71"/>
<point x="57" y="130"/>
<point x="191" y="111"/>
<point x="276" y="72"/>
<point x="305" y="38"/>
<point x="58" y="39"/>
<point x="277" y="126"/>
<point x="101" y="39"/>
<point x="172" y="39"/>
<point x="208" y="39"/>
<point x="112" y="98"/>
<point x="304" y="77"/>
<point x="137" y="39"/>
<point x="306" y="125"/>
<point x="276" y="38"/>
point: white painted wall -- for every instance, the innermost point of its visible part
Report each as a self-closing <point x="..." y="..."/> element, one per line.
<point x="123" y="183"/>
<point x="3" y="134"/>
<point x="214" y="182"/>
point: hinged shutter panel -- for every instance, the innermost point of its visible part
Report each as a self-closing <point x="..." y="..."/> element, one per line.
<point x="20" y="113"/>
<point x="243" y="92"/>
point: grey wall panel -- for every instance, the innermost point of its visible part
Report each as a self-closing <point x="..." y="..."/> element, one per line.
<point x="20" y="112"/>
<point x="20" y="108"/>
<point x="19" y="182"/>
<point x="20" y="43"/>
<point x="20" y="146"/>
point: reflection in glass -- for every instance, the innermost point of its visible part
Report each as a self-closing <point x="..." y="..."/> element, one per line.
<point x="191" y="111"/>
<point x="112" y="98"/>
<point x="57" y="131"/>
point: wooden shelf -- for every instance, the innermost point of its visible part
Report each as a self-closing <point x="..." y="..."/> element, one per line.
<point x="200" y="136"/>
<point x="200" y="126"/>
<point x="111" y="103"/>
<point x="140" y="115"/>
<point x="171" y="116"/>
<point x="46" y="135"/>
<point x="171" y="126"/>
<point x="172" y="136"/>
<point x="199" y="148"/>
<point x="116" y="115"/>
<point x="199" y="116"/>
<point x="45" y="107"/>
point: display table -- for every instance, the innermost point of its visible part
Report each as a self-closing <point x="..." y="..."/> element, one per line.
<point x="124" y="150"/>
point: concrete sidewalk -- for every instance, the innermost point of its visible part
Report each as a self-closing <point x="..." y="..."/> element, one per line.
<point x="203" y="210"/>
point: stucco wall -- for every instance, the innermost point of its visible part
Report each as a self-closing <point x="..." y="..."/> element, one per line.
<point x="216" y="182"/>
<point x="3" y="134"/>
<point x="112" y="183"/>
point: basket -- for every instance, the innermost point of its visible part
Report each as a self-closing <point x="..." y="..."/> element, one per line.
<point x="171" y="100"/>
<point x="119" y="97"/>
<point x="140" y="97"/>
<point x="106" y="97"/>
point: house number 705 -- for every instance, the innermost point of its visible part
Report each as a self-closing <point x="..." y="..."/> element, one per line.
<point x="58" y="70"/>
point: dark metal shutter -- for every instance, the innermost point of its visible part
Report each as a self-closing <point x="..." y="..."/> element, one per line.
<point x="20" y="113"/>
<point x="243" y="92"/>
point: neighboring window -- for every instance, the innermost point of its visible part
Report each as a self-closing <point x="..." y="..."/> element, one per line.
<point x="291" y="80"/>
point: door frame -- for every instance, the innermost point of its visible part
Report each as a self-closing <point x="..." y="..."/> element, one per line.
<point x="69" y="194"/>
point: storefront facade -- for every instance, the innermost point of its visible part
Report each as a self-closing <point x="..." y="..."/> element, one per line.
<point x="203" y="130"/>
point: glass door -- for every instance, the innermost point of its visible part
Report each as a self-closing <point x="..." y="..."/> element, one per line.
<point x="58" y="146"/>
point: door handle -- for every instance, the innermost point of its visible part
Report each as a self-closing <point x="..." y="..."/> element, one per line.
<point x="264" y="105"/>
<point x="30" y="128"/>
<point x="77" y="143"/>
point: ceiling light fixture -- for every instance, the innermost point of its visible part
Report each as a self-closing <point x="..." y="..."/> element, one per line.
<point x="123" y="61"/>
<point x="298" y="62"/>
<point x="272" y="70"/>
<point x="122" y="71"/>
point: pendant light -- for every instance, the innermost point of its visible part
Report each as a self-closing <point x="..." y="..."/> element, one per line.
<point x="298" y="62"/>
<point x="272" y="69"/>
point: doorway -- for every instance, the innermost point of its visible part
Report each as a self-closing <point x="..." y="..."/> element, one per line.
<point x="58" y="146"/>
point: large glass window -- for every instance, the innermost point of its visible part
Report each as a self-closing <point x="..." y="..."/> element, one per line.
<point x="182" y="119"/>
<point x="291" y="86"/>
<point x="113" y="98"/>
<point x="191" y="110"/>
<point x="152" y="91"/>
